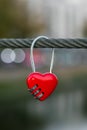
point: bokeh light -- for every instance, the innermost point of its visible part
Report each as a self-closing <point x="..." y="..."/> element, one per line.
<point x="7" y="55"/>
<point x="19" y="55"/>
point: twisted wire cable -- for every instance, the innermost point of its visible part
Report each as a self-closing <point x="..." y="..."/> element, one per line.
<point x="44" y="43"/>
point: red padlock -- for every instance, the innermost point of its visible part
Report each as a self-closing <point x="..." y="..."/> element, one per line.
<point x="41" y="85"/>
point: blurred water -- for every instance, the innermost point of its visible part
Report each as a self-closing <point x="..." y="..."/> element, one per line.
<point x="68" y="126"/>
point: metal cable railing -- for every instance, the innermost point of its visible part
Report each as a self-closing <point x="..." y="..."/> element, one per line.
<point x="44" y="43"/>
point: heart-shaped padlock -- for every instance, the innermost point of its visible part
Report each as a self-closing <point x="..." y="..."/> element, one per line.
<point x="41" y="85"/>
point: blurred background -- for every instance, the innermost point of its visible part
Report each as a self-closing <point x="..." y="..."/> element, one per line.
<point x="66" y="108"/>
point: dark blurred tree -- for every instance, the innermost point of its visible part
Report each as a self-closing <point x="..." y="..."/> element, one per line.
<point x="15" y="19"/>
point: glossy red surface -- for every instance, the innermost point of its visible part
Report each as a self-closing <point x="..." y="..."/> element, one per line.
<point x="46" y="83"/>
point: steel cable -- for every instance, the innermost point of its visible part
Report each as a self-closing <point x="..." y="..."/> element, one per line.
<point x="44" y="43"/>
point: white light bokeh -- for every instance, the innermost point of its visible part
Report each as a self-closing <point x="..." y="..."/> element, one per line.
<point x="7" y="55"/>
<point x="74" y="2"/>
<point x="19" y="55"/>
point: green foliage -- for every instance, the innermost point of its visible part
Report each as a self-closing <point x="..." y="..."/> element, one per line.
<point x="85" y="29"/>
<point x="14" y="19"/>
